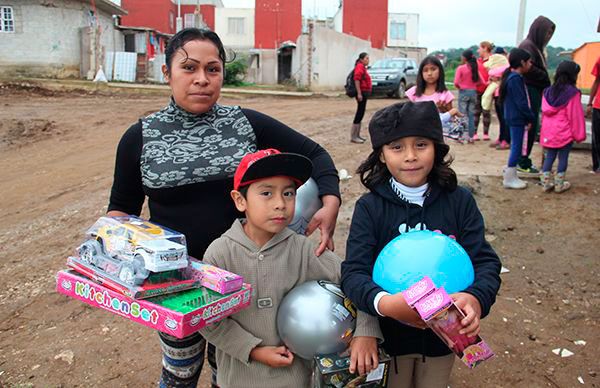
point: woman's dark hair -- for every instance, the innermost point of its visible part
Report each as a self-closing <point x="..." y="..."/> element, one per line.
<point x="361" y="56"/>
<point x="565" y="76"/>
<point x="179" y="40"/>
<point x="472" y="61"/>
<point x="516" y="57"/>
<point x="421" y="84"/>
<point x="373" y="171"/>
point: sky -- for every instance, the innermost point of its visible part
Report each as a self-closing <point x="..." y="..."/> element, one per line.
<point x="462" y="23"/>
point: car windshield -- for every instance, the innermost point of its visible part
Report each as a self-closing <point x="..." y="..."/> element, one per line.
<point x="389" y="64"/>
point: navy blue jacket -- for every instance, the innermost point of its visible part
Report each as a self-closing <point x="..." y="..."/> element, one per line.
<point x="517" y="112"/>
<point x="376" y="221"/>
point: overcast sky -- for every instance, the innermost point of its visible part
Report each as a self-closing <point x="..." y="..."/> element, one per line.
<point x="461" y="23"/>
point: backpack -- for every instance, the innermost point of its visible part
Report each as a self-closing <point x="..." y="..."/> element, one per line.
<point x="350" y="86"/>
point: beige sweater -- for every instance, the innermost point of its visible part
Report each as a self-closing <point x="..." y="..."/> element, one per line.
<point x="286" y="261"/>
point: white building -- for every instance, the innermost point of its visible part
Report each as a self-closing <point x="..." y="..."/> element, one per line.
<point x="235" y="27"/>
<point x="59" y="38"/>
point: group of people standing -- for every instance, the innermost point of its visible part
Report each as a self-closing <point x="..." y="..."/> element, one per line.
<point x="518" y="86"/>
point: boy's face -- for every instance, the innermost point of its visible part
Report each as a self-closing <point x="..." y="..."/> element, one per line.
<point x="269" y="207"/>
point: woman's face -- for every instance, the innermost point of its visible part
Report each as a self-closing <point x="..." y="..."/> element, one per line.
<point x="365" y="60"/>
<point x="196" y="78"/>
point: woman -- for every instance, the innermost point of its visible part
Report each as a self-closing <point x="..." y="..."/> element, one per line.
<point x="484" y="51"/>
<point x="183" y="159"/>
<point x="362" y="80"/>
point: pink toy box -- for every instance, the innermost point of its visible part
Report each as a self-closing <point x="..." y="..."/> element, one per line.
<point x="215" y="278"/>
<point x="440" y="313"/>
<point x="178" y="314"/>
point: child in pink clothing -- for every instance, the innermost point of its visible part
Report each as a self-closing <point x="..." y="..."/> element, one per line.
<point x="431" y="86"/>
<point x="467" y="79"/>
<point x="562" y="123"/>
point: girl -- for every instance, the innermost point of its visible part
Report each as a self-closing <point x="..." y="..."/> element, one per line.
<point x="362" y="80"/>
<point x="517" y="112"/>
<point x="467" y="80"/>
<point x="412" y="186"/>
<point x="431" y="86"/>
<point x="562" y="123"/>
<point x="482" y="111"/>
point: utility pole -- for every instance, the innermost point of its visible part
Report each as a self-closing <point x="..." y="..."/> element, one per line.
<point x="521" y="22"/>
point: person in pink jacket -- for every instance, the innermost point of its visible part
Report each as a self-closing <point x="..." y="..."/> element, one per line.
<point x="563" y="123"/>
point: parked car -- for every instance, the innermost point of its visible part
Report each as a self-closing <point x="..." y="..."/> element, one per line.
<point x="392" y="76"/>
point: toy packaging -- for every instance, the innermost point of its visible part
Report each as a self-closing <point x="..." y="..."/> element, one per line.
<point x="156" y="284"/>
<point x="214" y="278"/>
<point x="178" y="314"/>
<point x="440" y="313"/>
<point x="123" y="252"/>
<point x="331" y="371"/>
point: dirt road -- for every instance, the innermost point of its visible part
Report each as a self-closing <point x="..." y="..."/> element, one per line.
<point x="57" y="154"/>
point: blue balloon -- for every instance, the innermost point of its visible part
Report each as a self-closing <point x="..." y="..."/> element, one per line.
<point x="412" y="255"/>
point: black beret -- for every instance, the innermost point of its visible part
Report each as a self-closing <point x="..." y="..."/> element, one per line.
<point x="405" y="119"/>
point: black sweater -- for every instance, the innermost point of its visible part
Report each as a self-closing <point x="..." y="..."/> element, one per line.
<point x="202" y="211"/>
<point x="376" y="221"/>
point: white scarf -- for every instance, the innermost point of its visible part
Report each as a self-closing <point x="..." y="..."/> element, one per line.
<point x="410" y="194"/>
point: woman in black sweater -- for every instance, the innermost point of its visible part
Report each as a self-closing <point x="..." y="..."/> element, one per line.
<point x="183" y="157"/>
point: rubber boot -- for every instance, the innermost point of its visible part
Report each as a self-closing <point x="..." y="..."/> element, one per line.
<point x="547" y="181"/>
<point x="354" y="134"/>
<point x="560" y="184"/>
<point x="511" y="181"/>
<point x="358" y="133"/>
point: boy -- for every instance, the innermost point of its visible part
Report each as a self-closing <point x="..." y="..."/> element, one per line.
<point x="274" y="260"/>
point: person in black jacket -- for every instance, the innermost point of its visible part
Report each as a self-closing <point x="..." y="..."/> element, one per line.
<point x="182" y="159"/>
<point x="412" y="187"/>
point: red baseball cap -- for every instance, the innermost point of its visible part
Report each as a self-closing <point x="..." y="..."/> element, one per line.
<point x="269" y="163"/>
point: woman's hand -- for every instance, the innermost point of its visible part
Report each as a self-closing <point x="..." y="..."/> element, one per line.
<point x="363" y="354"/>
<point x="359" y="97"/>
<point x="325" y="219"/>
<point x="472" y="309"/>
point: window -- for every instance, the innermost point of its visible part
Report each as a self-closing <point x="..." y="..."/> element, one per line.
<point x="171" y="20"/>
<point x="7" y="19"/>
<point x="235" y="26"/>
<point x="397" y="31"/>
<point x="189" y="20"/>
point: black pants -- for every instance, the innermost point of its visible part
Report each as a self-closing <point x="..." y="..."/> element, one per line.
<point x="360" y="108"/>
<point x="596" y="139"/>
<point x="504" y="130"/>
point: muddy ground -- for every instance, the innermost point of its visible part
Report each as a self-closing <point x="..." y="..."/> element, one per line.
<point x="57" y="154"/>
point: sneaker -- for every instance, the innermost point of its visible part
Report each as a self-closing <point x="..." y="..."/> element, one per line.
<point x="530" y="172"/>
<point x="476" y="138"/>
<point x="503" y="145"/>
<point x="486" y="137"/>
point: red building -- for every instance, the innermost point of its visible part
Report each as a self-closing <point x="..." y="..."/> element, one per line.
<point x="276" y="21"/>
<point x="161" y="15"/>
<point x="366" y="20"/>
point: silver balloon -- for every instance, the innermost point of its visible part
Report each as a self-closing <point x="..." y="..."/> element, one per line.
<point x="307" y="204"/>
<point x="316" y="318"/>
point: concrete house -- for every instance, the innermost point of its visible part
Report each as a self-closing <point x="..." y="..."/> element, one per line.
<point x="57" y="38"/>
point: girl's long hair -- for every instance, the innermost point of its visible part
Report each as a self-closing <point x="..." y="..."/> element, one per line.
<point x="472" y="62"/>
<point x="515" y="60"/>
<point x="374" y="172"/>
<point x="421" y="84"/>
<point x="566" y="75"/>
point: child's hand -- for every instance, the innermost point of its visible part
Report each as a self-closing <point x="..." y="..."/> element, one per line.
<point x="529" y="126"/>
<point x="363" y="353"/>
<point x="455" y="112"/>
<point x="273" y="356"/>
<point x="394" y="306"/>
<point x="472" y="309"/>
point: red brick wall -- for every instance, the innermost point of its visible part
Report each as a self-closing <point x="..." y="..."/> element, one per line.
<point x="367" y="20"/>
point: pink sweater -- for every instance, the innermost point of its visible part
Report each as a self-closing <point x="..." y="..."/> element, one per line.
<point x="463" y="78"/>
<point x="562" y="125"/>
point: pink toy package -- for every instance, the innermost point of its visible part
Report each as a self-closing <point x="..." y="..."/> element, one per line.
<point x="215" y="278"/>
<point x="440" y="313"/>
